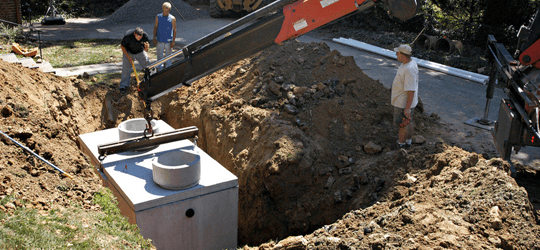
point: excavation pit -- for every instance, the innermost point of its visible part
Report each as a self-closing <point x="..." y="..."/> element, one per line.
<point x="296" y="195"/>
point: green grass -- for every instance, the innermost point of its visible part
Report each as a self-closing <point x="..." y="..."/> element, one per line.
<point x="85" y="52"/>
<point x="107" y="78"/>
<point x="63" y="54"/>
<point x="72" y="228"/>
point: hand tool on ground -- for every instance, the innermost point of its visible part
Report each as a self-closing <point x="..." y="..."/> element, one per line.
<point x="36" y="155"/>
<point x="53" y="17"/>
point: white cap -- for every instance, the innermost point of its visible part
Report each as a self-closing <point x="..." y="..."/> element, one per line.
<point x="405" y="49"/>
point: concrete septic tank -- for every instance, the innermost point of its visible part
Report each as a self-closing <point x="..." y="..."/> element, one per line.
<point x="202" y="215"/>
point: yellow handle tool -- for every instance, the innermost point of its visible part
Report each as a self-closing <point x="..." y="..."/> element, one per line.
<point x="134" y="70"/>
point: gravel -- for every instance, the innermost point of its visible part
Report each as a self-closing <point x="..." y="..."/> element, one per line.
<point x="145" y="11"/>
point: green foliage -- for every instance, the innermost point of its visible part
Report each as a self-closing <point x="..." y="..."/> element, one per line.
<point x="456" y="17"/>
<point x="9" y="34"/>
<point x="473" y="20"/>
<point x="73" y="228"/>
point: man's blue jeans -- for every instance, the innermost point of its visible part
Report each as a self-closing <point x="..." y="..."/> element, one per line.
<point x="142" y="58"/>
<point x="163" y="50"/>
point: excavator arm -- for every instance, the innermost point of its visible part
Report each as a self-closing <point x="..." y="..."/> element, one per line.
<point x="518" y="122"/>
<point x="273" y="24"/>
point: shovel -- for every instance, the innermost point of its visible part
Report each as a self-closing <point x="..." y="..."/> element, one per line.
<point x="135" y="70"/>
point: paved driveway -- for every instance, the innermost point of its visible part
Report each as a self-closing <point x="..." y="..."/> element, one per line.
<point x="88" y="28"/>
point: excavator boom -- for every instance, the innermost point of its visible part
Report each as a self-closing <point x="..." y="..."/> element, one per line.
<point x="275" y="23"/>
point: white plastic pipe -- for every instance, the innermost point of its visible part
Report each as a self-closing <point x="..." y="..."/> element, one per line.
<point x="483" y="79"/>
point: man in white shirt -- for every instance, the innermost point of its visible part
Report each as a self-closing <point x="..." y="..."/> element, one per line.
<point x="405" y="94"/>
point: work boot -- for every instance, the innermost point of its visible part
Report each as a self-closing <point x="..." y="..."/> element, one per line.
<point x="403" y="145"/>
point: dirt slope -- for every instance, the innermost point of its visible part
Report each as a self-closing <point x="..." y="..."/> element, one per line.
<point x="310" y="138"/>
<point x="46" y="113"/>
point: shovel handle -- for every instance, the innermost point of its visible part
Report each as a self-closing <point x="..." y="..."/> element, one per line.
<point x="135" y="70"/>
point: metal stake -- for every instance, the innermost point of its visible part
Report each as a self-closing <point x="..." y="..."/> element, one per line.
<point x="36" y="155"/>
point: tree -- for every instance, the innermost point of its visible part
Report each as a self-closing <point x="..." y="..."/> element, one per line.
<point x="472" y="20"/>
<point x="505" y="12"/>
<point x="459" y="16"/>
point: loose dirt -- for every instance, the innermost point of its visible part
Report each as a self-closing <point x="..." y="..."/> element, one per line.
<point x="311" y="140"/>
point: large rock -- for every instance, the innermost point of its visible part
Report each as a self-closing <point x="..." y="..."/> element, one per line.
<point x="372" y="148"/>
<point x="418" y="139"/>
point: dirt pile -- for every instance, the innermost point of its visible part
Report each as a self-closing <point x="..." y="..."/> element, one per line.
<point x="448" y="199"/>
<point x="145" y="11"/>
<point x="310" y="137"/>
<point x="45" y="113"/>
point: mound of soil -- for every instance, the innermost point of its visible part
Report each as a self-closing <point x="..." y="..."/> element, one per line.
<point x="45" y="113"/>
<point x="311" y="140"/>
<point x="145" y="11"/>
<point x="448" y="199"/>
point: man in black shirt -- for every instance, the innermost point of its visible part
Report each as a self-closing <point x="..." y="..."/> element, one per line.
<point x="134" y="46"/>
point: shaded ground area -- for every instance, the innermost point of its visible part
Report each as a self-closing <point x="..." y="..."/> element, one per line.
<point x="310" y="137"/>
<point x="374" y="27"/>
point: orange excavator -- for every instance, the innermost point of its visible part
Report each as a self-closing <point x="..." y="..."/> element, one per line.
<point x="273" y="24"/>
<point x="518" y="123"/>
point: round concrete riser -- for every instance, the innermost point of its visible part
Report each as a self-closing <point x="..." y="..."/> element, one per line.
<point x="176" y="170"/>
<point x="134" y="128"/>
